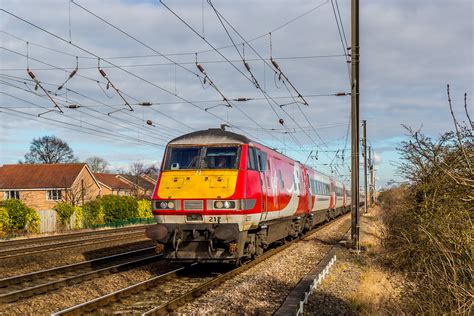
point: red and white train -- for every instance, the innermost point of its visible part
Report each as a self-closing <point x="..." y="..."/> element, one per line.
<point x="223" y="197"/>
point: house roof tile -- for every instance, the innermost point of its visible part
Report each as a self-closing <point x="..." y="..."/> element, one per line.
<point x="38" y="176"/>
<point x="112" y="181"/>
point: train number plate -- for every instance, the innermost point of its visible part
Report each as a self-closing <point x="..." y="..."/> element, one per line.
<point x="215" y="219"/>
<point x="194" y="217"/>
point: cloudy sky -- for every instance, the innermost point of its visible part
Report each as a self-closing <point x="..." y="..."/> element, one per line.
<point x="410" y="50"/>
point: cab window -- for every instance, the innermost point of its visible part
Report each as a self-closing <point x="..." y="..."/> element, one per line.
<point x="183" y="158"/>
<point x="220" y="158"/>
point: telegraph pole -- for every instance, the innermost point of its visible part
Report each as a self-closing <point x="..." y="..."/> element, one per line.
<point x="355" y="122"/>
<point x="364" y="144"/>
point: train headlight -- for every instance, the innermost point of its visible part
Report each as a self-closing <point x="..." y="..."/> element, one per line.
<point x="164" y="205"/>
<point x="224" y="205"/>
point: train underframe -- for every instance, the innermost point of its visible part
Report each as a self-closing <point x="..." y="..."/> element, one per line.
<point x="225" y="243"/>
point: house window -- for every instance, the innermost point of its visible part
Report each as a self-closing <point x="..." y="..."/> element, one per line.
<point x="15" y="195"/>
<point x="54" y="195"/>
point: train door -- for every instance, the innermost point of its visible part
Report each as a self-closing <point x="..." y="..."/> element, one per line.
<point x="310" y="193"/>
<point x="264" y="181"/>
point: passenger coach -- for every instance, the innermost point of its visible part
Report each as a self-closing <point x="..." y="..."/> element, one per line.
<point x="223" y="197"/>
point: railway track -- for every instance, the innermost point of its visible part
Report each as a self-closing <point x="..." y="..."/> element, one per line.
<point x="52" y="239"/>
<point x="22" y="248"/>
<point x="164" y="293"/>
<point x="17" y="287"/>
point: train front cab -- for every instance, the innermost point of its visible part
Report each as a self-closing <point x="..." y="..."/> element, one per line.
<point x="201" y="202"/>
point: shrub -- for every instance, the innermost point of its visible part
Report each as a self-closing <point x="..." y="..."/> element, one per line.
<point x="429" y="222"/>
<point x="64" y="212"/>
<point x="118" y="207"/>
<point x="32" y="221"/>
<point x="16" y="216"/>
<point x="17" y="212"/>
<point x="78" y="223"/>
<point x="93" y="213"/>
<point x="144" y="209"/>
<point x="5" y="223"/>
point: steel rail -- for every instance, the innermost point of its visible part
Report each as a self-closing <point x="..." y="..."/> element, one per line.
<point x="80" y="276"/>
<point x="118" y="295"/>
<point x="14" y="253"/>
<point x="168" y="307"/>
<point x="26" y="241"/>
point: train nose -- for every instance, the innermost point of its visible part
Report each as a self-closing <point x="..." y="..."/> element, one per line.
<point x="158" y="233"/>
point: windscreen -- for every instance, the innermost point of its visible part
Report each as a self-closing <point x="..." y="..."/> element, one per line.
<point x="183" y="158"/>
<point x="222" y="157"/>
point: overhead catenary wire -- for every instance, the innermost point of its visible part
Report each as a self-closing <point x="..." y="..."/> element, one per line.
<point x="78" y="105"/>
<point x="112" y="64"/>
<point x="89" y="98"/>
<point x="94" y="127"/>
<point x="258" y="54"/>
<point x="151" y="48"/>
<point x="69" y="126"/>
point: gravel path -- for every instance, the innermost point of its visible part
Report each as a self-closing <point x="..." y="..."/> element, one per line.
<point x="263" y="288"/>
<point x="357" y="283"/>
<point x="20" y="265"/>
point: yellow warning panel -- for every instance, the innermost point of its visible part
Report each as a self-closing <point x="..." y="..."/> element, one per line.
<point x="194" y="184"/>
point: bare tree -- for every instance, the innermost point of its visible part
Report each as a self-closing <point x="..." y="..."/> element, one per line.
<point x="97" y="164"/>
<point x="49" y="149"/>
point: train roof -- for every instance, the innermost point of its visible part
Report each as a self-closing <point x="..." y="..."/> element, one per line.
<point x="220" y="136"/>
<point x="210" y="136"/>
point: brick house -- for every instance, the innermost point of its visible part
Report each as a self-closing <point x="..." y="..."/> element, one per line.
<point x="142" y="186"/>
<point x="111" y="184"/>
<point x="41" y="186"/>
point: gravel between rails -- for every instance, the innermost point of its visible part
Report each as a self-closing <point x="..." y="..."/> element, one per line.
<point x="65" y="297"/>
<point x="263" y="288"/>
<point x="21" y="265"/>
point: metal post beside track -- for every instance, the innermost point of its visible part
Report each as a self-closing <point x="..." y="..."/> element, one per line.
<point x="355" y="123"/>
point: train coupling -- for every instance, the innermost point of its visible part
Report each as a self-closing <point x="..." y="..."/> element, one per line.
<point x="159" y="248"/>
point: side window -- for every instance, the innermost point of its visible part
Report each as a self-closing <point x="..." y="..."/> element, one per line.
<point x="251" y="164"/>
<point x="262" y="159"/>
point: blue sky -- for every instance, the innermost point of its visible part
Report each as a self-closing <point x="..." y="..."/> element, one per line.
<point x="410" y="50"/>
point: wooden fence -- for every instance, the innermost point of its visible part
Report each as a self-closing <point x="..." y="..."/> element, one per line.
<point x="48" y="221"/>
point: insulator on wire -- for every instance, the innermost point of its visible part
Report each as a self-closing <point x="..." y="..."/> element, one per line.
<point x="73" y="106"/>
<point x="107" y="86"/>
<point x="341" y="94"/>
<point x="32" y="75"/>
<point x="201" y="68"/>
<point x="247" y="65"/>
<point x="242" y="99"/>
<point x="36" y="87"/>
<point x="73" y="73"/>
<point x="275" y="63"/>
<point x="146" y="103"/>
<point x="281" y="121"/>
<point x="102" y="72"/>
<point x="149" y="122"/>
